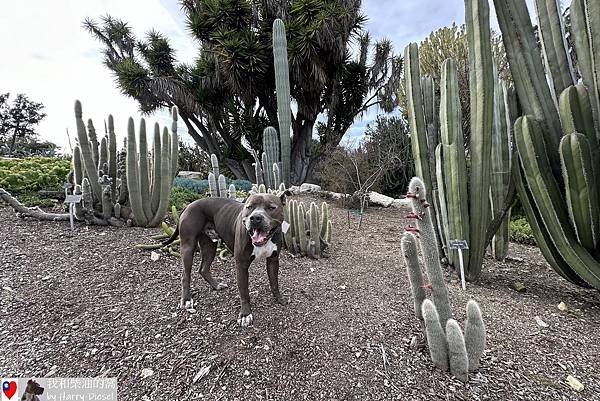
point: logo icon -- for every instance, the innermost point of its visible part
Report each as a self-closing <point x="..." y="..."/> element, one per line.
<point x="9" y="388"/>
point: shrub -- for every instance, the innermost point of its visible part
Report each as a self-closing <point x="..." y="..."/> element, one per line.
<point x="181" y="197"/>
<point x="34" y="174"/>
<point x="201" y="186"/>
<point x="520" y="231"/>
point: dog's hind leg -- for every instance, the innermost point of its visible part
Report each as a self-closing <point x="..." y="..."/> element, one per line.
<point x="208" y="249"/>
<point x="188" y="247"/>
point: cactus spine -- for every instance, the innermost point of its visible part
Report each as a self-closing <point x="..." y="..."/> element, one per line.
<point x="282" y="88"/>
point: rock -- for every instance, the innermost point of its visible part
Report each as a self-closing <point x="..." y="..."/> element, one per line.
<point x="309" y="188"/>
<point x="375" y="198"/>
<point x="399" y="203"/>
<point x="519" y="286"/>
<point x="147" y="372"/>
<point x="154" y="256"/>
<point x="575" y="384"/>
<point x="540" y="322"/>
<point x="192" y="175"/>
<point x="562" y="306"/>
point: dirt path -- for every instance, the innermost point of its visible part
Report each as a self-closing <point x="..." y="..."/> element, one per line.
<point x="88" y="304"/>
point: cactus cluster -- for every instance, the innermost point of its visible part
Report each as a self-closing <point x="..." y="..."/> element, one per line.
<point x="558" y="138"/>
<point x="466" y="199"/>
<point x="309" y="232"/>
<point x="449" y="347"/>
<point x="217" y="184"/>
<point x="123" y="186"/>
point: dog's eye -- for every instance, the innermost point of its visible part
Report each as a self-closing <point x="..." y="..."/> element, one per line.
<point x="248" y="206"/>
<point x="272" y="207"/>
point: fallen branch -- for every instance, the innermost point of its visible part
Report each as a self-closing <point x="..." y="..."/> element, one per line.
<point x="35" y="212"/>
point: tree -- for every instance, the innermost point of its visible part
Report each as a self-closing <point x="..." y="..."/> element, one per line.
<point x="387" y="144"/>
<point x="19" y="119"/>
<point x="227" y="96"/>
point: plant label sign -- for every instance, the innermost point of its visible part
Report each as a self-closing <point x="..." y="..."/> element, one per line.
<point x="73" y="198"/>
<point x="458" y="244"/>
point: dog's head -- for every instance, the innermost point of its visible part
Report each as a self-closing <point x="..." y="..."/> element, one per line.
<point x="34" y="388"/>
<point x="262" y="216"/>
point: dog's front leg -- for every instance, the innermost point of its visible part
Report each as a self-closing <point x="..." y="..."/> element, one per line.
<point x="245" y="317"/>
<point x="273" y="273"/>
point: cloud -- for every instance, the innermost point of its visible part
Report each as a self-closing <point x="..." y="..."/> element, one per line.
<point x="53" y="60"/>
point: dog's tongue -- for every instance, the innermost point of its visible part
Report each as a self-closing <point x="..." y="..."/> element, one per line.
<point x="258" y="237"/>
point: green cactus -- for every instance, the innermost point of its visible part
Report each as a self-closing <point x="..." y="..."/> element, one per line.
<point x="271" y="152"/>
<point x="112" y="156"/>
<point x="581" y="188"/>
<point x="282" y="88"/>
<point x="501" y="159"/>
<point x="300" y="222"/>
<point x="474" y="335"/>
<point x="156" y="168"/>
<point x="79" y="215"/>
<point x="276" y="177"/>
<point x="212" y="185"/>
<point x="258" y="172"/>
<point x="266" y="169"/>
<point x="123" y="198"/>
<point x="481" y="82"/>
<point x="77" y="166"/>
<point x="457" y="351"/>
<point x="436" y="339"/>
<point x="174" y="140"/>
<point x="144" y="171"/>
<point x="413" y="270"/>
<point x="107" y="205"/>
<point x="222" y="185"/>
<point x="166" y="180"/>
<point x="289" y="234"/>
<point x="315" y="231"/>
<point x="87" y="155"/>
<point x="133" y="177"/>
<point x="103" y="157"/>
<point x="93" y="138"/>
<point x="262" y="189"/>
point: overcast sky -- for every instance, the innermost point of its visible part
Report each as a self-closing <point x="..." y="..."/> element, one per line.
<point x="48" y="56"/>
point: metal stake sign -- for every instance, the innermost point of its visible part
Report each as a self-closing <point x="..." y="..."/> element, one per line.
<point x="459" y="245"/>
<point x="71" y="200"/>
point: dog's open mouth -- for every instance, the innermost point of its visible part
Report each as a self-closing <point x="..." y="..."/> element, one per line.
<point x="260" y="237"/>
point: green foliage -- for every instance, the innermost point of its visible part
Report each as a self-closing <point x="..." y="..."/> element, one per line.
<point x="201" y="186"/>
<point x="33" y="174"/>
<point x="181" y="197"/>
<point x="521" y="232"/>
<point x="192" y="158"/>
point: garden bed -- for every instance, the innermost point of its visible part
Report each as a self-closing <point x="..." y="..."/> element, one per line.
<point x="87" y="303"/>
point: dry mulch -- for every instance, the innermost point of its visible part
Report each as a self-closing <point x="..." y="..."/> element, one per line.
<point x="87" y="304"/>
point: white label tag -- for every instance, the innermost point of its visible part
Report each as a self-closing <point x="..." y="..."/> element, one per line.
<point x="73" y="198"/>
<point x="285" y="226"/>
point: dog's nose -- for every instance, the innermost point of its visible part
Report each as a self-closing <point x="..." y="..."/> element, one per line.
<point x="256" y="218"/>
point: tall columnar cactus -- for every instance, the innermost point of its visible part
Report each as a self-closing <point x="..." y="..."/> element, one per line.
<point x="222" y="184"/>
<point x="214" y="162"/>
<point x="144" y="171"/>
<point x="282" y="88"/>
<point x="318" y="223"/>
<point x="164" y="181"/>
<point x="87" y="154"/>
<point x="315" y="231"/>
<point x="112" y="156"/>
<point x="133" y="177"/>
<point x="231" y="192"/>
<point x="448" y="346"/>
<point x="271" y="152"/>
<point x="501" y="168"/>
<point x="558" y="148"/>
<point x="77" y="165"/>
<point x="462" y="214"/>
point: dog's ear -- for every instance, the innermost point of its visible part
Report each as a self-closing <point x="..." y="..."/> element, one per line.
<point x="283" y="195"/>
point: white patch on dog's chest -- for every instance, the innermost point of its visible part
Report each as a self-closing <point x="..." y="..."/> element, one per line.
<point x="262" y="252"/>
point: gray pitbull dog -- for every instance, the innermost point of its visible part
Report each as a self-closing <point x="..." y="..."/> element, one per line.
<point x="252" y="230"/>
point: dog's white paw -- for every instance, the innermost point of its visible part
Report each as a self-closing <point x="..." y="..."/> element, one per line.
<point x="245" y="321"/>
<point x="189" y="304"/>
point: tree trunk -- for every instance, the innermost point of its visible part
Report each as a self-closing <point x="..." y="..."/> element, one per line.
<point x="301" y="170"/>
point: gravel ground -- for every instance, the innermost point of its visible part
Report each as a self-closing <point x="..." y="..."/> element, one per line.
<point x="87" y="304"/>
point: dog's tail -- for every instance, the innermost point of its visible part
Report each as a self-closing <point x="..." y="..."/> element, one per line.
<point x="173" y="236"/>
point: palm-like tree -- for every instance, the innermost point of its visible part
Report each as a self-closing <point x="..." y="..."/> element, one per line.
<point x="227" y="96"/>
